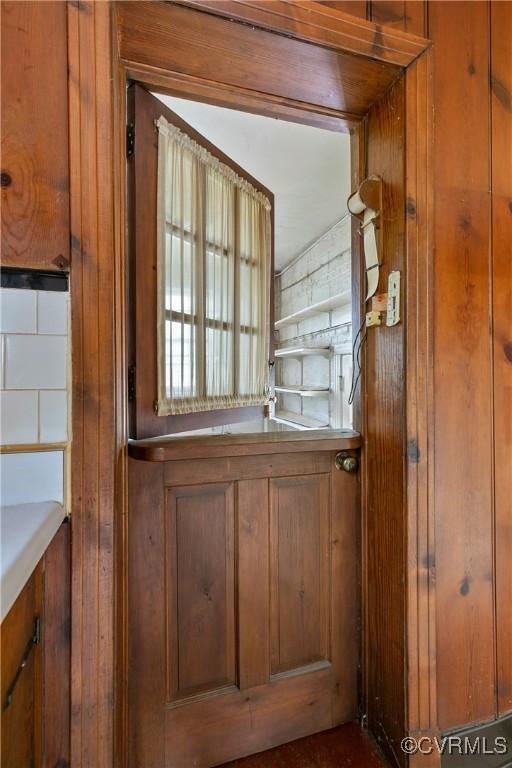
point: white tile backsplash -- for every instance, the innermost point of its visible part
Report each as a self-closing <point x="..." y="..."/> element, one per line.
<point x="29" y="477"/>
<point x="18" y="311"/>
<point x="35" y="362"/>
<point x="34" y="359"/>
<point x="19" y="417"/>
<point x="2" y="366"/>
<point x="53" y="415"/>
<point x="52" y="312"/>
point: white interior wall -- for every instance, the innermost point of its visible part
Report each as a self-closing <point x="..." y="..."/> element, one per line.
<point x="319" y="273"/>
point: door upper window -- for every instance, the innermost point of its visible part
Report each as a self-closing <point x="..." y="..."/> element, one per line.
<point x="213" y="264"/>
<point x="201" y="232"/>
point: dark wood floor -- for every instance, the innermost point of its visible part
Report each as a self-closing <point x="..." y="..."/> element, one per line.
<point x="343" y="747"/>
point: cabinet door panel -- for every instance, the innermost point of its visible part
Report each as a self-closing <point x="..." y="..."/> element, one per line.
<point x="201" y="589"/>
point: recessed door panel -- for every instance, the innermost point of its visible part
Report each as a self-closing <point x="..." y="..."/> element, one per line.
<point x="300" y="588"/>
<point x="201" y="589"/>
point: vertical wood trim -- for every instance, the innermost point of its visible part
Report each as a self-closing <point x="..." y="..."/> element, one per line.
<point x="171" y="642"/>
<point x="231" y="672"/>
<point x="385" y="513"/>
<point x="358" y="173"/>
<point x="421" y="647"/>
<point x="122" y="416"/>
<point x="56" y="649"/>
<point x="501" y="173"/>
<point x="253" y="582"/>
<point x="325" y="565"/>
<point x="274" y="611"/>
<point x="345" y="598"/>
<point x="147" y="619"/>
<point x="93" y="405"/>
<point x="463" y="440"/>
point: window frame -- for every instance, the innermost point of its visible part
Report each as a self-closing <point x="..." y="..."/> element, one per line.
<point x="143" y="110"/>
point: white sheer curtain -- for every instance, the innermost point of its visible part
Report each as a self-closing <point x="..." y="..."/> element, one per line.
<point x="213" y="281"/>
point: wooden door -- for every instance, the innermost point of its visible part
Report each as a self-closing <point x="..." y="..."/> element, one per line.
<point x="242" y="600"/>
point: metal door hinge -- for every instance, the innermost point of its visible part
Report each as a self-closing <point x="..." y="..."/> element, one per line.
<point x="131" y="383"/>
<point x="34" y="640"/>
<point x="130" y="139"/>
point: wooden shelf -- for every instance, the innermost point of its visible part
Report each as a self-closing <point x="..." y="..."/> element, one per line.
<point x="302" y="351"/>
<point x="302" y="391"/>
<point x="176" y="448"/>
<point x="298" y="420"/>
<point x="327" y="305"/>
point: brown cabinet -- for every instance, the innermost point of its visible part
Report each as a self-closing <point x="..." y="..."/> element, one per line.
<point x="21" y="700"/>
<point x="242" y="600"/>
<point x="35" y="176"/>
<point x="35" y="634"/>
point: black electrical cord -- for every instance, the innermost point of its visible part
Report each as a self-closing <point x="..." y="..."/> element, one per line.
<point x="356" y="360"/>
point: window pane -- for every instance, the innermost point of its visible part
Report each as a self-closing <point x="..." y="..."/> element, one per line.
<point x="219" y="362"/>
<point x="179" y="363"/>
<point x="249" y="288"/>
<point x="219" y="287"/>
<point x="179" y="294"/>
<point x="249" y="352"/>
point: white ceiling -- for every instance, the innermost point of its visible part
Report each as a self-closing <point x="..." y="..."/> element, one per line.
<point x="307" y="169"/>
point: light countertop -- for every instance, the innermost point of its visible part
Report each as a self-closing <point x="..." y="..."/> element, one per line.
<point x="26" y="531"/>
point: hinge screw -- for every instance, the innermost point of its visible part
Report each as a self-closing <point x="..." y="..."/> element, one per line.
<point x="130" y="139"/>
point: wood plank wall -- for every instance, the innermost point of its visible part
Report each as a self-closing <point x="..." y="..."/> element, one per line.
<point x="501" y="175"/>
<point x="472" y="376"/>
<point x="473" y="345"/>
<point x="463" y="365"/>
<point x="35" y="186"/>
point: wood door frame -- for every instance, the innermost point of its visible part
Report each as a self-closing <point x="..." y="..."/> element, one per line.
<point x="99" y="456"/>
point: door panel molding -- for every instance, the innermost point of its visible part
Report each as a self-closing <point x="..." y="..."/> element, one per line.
<point x="300" y="565"/>
<point x="253" y="578"/>
<point x="200" y="606"/>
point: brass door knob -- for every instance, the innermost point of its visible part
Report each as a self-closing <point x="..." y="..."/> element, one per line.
<point x="346" y="461"/>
